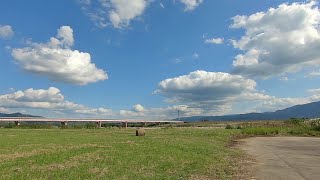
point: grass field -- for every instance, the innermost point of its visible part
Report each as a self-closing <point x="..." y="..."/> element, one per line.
<point x="167" y="153"/>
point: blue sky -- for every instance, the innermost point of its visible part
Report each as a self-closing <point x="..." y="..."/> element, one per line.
<point x="150" y="58"/>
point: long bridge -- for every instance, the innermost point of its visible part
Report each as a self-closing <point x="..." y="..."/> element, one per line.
<point x="65" y="121"/>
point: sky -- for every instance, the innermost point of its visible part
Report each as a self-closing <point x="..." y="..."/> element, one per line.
<point x="152" y="58"/>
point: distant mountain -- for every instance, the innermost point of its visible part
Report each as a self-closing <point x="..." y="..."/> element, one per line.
<point x="16" y="115"/>
<point x="310" y="110"/>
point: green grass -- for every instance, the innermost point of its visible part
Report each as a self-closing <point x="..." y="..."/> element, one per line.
<point x="172" y="153"/>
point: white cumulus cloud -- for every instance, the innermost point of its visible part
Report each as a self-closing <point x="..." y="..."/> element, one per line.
<point x="159" y="113"/>
<point x="280" y="40"/>
<point x="217" y="93"/>
<point x="190" y="5"/>
<point x="210" y="91"/>
<point x="123" y="11"/>
<point x="57" y="61"/>
<point x="214" y="41"/>
<point x="118" y="13"/>
<point x="6" y="31"/>
<point x="137" y="111"/>
<point x="50" y="99"/>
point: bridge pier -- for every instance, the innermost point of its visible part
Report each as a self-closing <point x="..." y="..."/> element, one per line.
<point x="144" y="124"/>
<point x="125" y="124"/>
<point x="17" y="123"/>
<point x="98" y="124"/>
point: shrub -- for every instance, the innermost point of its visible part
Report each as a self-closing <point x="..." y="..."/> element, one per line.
<point x="229" y="126"/>
<point x="316" y="128"/>
<point x="91" y="125"/>
<point x="263" y="131"/>
<point x="295" y="121"/>
<point x="9" y="125"/>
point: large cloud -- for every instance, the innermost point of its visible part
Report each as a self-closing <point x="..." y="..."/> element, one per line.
<point x="216" y="93"/>
<point x="47" y="99"/>
<point x="205" y="86"/>
<point x="210" y="91"/>
<point x="57" y="61"/>
<point x="6" y="31"/>
<point x="118" y="13"/>
<point x="280" y="40"/>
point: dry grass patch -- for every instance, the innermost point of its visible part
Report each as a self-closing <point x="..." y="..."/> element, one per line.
<point x="44" y="150"/>
<point x="199" y="177"/>
<point x="71" y="163"/>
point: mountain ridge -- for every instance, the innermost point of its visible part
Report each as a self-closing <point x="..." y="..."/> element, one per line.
<point x="309" y="110"/>
<point x="16" y="115"/>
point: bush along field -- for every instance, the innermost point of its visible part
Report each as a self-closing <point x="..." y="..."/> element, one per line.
<point x="297" y="127"/>
<point x="163" y="153"/>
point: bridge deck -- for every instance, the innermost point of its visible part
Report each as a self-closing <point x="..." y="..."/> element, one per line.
<point x="31" y="119"/>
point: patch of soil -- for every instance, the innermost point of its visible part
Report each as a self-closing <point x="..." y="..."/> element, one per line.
<point x="244" y="164"/>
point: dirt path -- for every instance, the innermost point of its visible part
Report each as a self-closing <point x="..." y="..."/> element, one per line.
<point x="285" y="157"/>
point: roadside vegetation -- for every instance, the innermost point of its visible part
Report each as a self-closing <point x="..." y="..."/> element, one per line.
<point x="296" y="127"/>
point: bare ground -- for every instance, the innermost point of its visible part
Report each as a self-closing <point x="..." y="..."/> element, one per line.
<point x="291" y="158"/>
